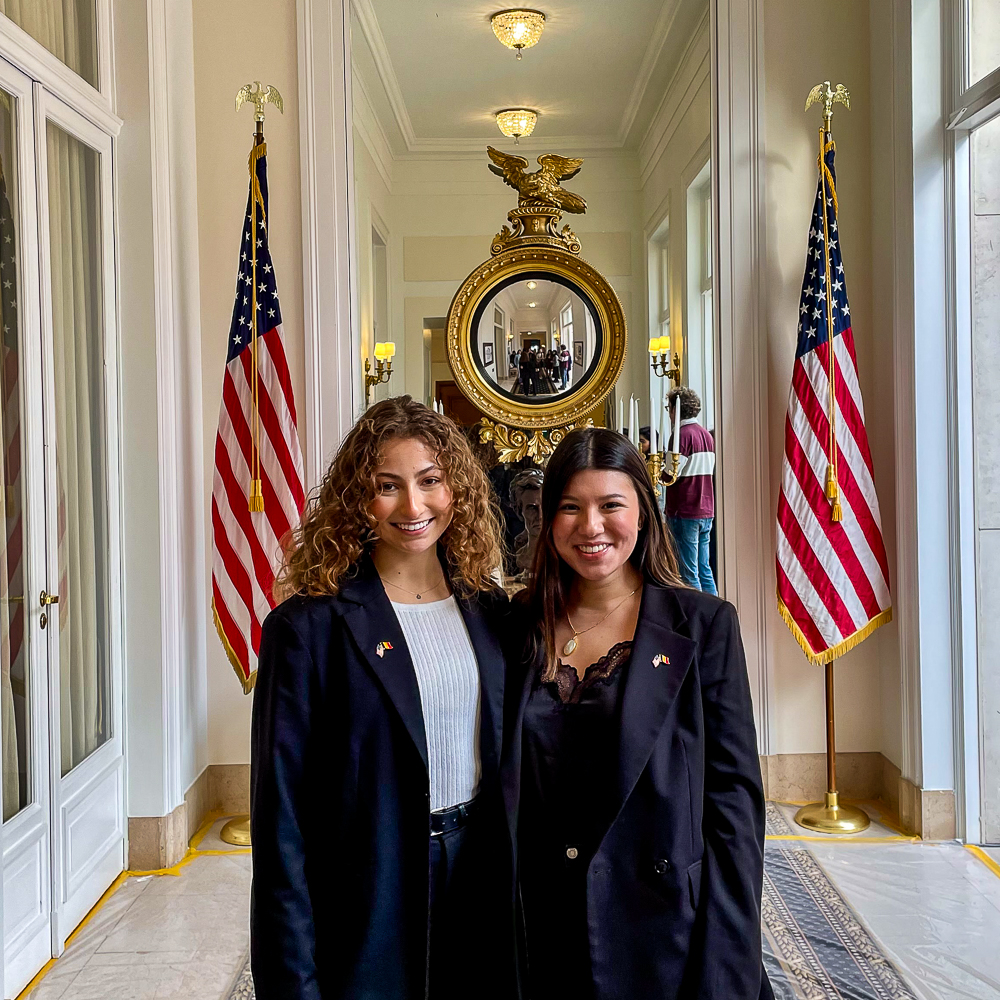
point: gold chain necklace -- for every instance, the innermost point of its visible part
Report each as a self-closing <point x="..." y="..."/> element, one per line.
<point x="419" y="596"/>
<point x="571" y="645"/>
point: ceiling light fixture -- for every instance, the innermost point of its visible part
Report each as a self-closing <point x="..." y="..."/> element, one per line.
<point x="519" y="28"/>
<point x="531" y="305"/>
<point x="516" y="122"/>
<point x="532" y="285"/>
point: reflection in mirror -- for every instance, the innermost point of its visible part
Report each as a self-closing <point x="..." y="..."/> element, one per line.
<point x="536" y="338"/>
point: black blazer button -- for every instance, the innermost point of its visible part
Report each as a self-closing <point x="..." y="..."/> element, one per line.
<point x="662" y="866"/>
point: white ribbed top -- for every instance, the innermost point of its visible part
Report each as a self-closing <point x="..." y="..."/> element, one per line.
<point x="448" y="678"/>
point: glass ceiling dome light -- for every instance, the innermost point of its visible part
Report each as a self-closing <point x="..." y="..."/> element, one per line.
<point x="518" y="28"/>
<point x="516" y="122"/>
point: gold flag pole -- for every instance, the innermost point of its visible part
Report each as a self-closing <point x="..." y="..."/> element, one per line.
<point x="830" y="816"/>
<point x="237" y="830"/>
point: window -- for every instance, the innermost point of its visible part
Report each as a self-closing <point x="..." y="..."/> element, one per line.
<point x="658" y="269"/>
<point x="698" y="364"/>
<point x="984" y="38"/>
<point x="975" y="123"/>
<point x="566" y="325"/>
<point x="67" y="28"/>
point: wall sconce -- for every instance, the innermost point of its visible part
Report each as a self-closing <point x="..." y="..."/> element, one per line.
<point x="383" y="368"/>
<point x="661" y="346"/>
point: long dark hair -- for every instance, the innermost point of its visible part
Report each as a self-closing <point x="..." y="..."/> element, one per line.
<point x="653" y="555"/>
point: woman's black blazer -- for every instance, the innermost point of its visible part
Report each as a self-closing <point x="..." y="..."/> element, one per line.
<point x="674" y="890"/>
<point x="340" y="797"/>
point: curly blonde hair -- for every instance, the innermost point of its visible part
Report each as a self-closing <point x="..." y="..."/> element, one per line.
<point x="337" y="527"/>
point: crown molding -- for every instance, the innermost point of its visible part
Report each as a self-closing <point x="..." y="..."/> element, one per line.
<point x="693" y="70"/>
<point x="383" y="64"/>
<point x="369" y="129"/>
<point x="661" y="31"/>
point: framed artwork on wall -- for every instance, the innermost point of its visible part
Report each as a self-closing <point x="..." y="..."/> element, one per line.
<point x="578" y="353"/>
<point x="487" y="354"/>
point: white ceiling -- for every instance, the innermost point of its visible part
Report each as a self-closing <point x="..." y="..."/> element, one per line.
<point x="434" y="73"/>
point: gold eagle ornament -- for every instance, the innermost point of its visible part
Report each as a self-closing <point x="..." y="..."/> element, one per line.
<point x="540" y="188"/>
<point x="259" y="95"/>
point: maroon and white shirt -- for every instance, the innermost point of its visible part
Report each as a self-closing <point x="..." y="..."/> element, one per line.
<point x="693" y="495"/>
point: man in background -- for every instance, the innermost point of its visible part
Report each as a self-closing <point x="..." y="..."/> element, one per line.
<point x="565" y="363"/>
<point x="690" y="503"/>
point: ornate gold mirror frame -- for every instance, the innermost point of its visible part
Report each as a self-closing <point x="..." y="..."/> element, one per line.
<point x="532" y="245"/>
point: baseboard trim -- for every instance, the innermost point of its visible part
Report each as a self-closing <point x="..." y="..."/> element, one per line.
<point x="801" y="777"/>
<point x="156" y="842"/>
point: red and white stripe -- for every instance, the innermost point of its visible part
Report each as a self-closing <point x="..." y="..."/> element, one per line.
<point x="833" y="576"/>
<point x="246" y="550"/>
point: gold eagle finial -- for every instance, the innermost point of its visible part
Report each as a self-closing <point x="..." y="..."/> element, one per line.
<point x="829" y="96"/>
<point x="260" y="95"/>
<point x="539" y="188"/>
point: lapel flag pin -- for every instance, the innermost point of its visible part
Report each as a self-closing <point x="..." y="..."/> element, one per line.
<point x="661" y="658"/>
<point x="382" y="647"/>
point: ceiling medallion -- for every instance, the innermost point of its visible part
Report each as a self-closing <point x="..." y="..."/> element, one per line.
<point x="516" y="122"/>
<point x="519" y="28"/>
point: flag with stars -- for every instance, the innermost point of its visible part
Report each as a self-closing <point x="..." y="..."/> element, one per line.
<point x="833" y="575"/>
<point x="257" y="439"/>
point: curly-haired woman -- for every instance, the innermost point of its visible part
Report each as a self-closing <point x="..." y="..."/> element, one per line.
<point x="376" y="816"/>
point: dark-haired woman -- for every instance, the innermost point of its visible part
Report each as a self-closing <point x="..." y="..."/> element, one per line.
<point x="632" y="784"/>
<point x="376" y="731"/>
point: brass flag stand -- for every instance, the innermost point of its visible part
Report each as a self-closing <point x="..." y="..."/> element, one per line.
<point x="830" y="816"/>
<point x="237" y="830"/>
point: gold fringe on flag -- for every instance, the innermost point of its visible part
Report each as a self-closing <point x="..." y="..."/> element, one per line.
<point x="234" y="661"/>
<point x="829" y="655"/>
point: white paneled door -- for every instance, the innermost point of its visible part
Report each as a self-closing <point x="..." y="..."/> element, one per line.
<point x="63" y="834"/>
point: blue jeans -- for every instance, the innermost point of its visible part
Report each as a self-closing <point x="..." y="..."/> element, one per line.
<point x="692" y="536"/>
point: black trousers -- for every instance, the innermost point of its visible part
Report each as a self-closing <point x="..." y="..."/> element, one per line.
<point x="452" y="895"/>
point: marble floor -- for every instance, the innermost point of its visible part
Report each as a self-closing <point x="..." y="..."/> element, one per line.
<point x="933" y="907"/>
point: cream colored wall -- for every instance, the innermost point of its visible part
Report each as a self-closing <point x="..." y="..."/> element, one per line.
<point x="801" y="51"/>
<point x="234" y="45"/>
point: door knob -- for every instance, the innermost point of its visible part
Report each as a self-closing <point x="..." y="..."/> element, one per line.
<point x="46" y="599"/>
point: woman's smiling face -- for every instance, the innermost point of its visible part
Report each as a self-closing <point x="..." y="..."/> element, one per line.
<point x="413" y="503"/>
<point x="597" y="523"/>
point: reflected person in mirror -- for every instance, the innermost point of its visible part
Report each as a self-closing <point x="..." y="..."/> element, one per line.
<point x="630" y="772"/>
<point x="526" y="497"/>
<point x="376" y="813"/>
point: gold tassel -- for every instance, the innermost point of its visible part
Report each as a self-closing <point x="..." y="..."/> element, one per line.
<point x="256" y="496"/>
<point x="831" y="483"/>
<point x="836" y="514"/>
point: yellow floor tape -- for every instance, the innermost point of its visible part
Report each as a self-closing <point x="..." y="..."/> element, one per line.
<point x="985" y="858"/>
<point x="193" y="852"/>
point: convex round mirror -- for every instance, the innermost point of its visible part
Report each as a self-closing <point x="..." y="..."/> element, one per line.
<point x="536" y="338"/>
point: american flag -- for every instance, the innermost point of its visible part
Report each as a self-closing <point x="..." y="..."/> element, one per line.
<point x="246" y="542"/>
<point x="833" y="576"/>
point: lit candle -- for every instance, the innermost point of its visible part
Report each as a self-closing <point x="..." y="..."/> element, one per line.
<point x="380" y="352"/>
<point x="677" y="425"/>
<point x="390" y="349"/>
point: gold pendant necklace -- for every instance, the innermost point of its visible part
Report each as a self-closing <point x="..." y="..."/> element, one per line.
<point x="420" y="596"/>
<point x="571" y="645"/>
